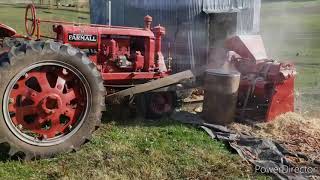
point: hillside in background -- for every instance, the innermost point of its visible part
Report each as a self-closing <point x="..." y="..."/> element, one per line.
<point x="291" y="31"/>
<point x="73" y="3"/>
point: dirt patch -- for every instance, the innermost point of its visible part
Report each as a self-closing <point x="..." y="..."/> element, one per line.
<point x="298" y="134"/>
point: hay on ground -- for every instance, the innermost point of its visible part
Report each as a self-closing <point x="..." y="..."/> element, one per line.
<point x="298" y="134"/>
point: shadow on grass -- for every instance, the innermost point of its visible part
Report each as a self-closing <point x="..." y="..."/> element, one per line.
<point x="134" y="120"/>
<point x="129" y="119"/>
<point x="4" y="153"/>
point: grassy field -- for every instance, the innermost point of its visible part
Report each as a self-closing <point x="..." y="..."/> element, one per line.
<point x="148" y="150"/>
<point x="291" y="31"/>
<point x="13" y="15"/>
<point x="166" y="149"/>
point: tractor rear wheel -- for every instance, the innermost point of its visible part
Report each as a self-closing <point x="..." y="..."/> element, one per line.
<point x="52" y="99"/>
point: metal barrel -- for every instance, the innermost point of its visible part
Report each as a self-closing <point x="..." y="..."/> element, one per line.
<point x="221" y="95"/>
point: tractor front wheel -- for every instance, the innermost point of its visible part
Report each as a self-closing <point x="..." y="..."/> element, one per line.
<point x="156" y="104"/>
<point x="52" y="97"/>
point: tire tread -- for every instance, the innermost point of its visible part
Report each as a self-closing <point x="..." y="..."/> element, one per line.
<point x="39" y="48"/>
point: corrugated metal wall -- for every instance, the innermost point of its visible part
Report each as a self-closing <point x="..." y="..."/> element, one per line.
<point x="216" y="6"/>
<point x="186" y="21"/>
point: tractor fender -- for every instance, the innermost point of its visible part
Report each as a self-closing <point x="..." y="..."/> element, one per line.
<point x="6" y="31"/>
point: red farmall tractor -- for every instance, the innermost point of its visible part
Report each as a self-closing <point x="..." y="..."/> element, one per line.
<point x="53" y="92"/>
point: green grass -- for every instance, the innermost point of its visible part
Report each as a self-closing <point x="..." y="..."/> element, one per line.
<point x="13" y="15"/>
<point x="291" y="31"/>
<point x="292" y="28"/>
<point x="139" y="150"/>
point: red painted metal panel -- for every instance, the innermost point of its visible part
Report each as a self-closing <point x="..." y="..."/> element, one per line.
<point x="131" y="76"/>
<point x="282" y="100"/>
<point x="67" y="30"/>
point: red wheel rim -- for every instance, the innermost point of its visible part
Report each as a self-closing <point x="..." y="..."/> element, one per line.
<point x="161" y="103"/>
<point x="46" y="102"/>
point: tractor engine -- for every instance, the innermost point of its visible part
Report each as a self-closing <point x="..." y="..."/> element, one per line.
<point x="122" y="53"/>
<point x="118" y="49"/>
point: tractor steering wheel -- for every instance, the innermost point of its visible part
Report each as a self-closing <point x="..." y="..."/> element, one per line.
<point x="30" y="22"/>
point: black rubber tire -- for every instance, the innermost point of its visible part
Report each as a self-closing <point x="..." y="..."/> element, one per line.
<point x="35" y="52"/>
<point x="143" y="104"/>
<point x="9" y="42"/>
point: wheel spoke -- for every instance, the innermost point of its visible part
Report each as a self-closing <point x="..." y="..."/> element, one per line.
<point x="70" y="95"/>
<point x="19" y="90"/>
<point x="43" y="81"/>
<point x="27" y="110"/>
<point x="32" y="94"/>
<point x="34" y="126"/>
<point x="25" y="92"/>
<point x="23" y="112"/>
<point x="55" y="119"/>
<point x="70" y="112"/>
<point x="55" y="127"/>
<point x="12" y="108"/>
<point x="60" y="84"/>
